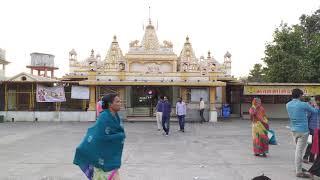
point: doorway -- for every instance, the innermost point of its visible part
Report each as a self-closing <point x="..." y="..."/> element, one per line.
<point x="144" y="98"/>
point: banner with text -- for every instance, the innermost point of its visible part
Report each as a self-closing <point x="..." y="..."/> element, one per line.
<point x="280" y="90"/>
<point x="50" y="94"/>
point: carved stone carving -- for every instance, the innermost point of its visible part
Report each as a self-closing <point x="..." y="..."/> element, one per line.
<point x="212" y="67"/>
<point x="122" y="66"/>
<point x="153" y="68"/>
<point x="167" y="44"/>
<point x="185" y="67"/>
<point x="134" y="43"/>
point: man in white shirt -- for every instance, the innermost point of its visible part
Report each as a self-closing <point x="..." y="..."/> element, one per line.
<point x="181" y="111"/>
<point x="201" y="108"/>
<point x="159" y="109"/>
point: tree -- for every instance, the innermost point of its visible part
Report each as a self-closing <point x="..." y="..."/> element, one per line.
<point x="243" y="79"/>
<point x="256" y="74"/>
<point x="294" y="53"/>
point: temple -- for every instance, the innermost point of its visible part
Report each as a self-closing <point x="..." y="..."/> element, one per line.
<point x="151" y="69"/>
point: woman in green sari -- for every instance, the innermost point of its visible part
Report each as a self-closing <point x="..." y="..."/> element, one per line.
<point x="99" y="154"/>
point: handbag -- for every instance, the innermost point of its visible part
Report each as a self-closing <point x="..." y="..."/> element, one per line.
<point x="272" y="137"/>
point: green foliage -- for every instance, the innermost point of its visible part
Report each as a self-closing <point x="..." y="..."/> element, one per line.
<point x="294" y="53"/>
<point x="256" y="74"/>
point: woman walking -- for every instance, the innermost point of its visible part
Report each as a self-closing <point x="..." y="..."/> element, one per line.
<point x="99" y="154"/>
<point x="260" y="128"/>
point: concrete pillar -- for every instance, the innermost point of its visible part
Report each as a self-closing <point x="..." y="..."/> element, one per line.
<point x="212" y="112"/>
<point x="92" y="102"/>
<point x="45" y="72"/>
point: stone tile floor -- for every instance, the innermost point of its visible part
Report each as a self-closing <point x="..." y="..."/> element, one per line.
<point x="222" y="151"/>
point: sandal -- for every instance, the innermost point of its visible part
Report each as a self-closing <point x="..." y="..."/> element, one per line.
<point x="264" y="155"/>
<point x="303" y="175"/>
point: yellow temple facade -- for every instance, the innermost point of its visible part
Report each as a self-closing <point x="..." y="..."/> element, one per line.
<point x="150" y="69"/>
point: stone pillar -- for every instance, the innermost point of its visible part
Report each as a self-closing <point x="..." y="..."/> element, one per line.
<point x="45" y="72"/>
<point x="52" y="73"/>
<point x="183" y="93"/>
<point x="92" y="89"/>
<point x="212" y="111"/>
<point x="92" y="102"/>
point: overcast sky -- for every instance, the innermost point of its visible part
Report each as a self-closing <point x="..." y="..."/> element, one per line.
<point x="55" y="27"/>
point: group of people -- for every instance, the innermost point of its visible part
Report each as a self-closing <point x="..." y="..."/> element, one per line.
<point x="304" y="121"/>
<point x="163" y="113"/>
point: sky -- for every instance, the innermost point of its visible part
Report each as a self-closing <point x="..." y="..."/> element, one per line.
<point x="241" y="27"/>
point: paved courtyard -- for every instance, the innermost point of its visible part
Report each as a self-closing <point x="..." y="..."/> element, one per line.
<point x="204" y="152"/>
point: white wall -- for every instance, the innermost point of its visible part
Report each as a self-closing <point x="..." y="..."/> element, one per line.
<point x="49" y="115"/>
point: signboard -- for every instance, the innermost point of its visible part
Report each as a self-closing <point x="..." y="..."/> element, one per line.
<point x="280" y="90"/>
<point x="79" y="92"/>
<point x="50" y="94"/>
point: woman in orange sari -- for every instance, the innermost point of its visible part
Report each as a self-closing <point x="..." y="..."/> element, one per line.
<point x="260" y="128"/>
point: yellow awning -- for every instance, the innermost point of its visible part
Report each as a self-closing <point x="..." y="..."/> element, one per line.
<point x="310" y="90"/>
<point x="139" y="83"/>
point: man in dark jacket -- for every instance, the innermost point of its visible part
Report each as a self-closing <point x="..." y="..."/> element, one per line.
<point x="166" y="111"/>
